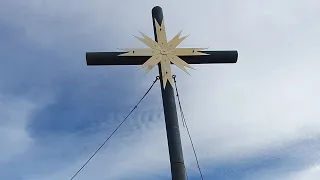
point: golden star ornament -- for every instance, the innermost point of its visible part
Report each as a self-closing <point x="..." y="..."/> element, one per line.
<point x="163" y="52"/>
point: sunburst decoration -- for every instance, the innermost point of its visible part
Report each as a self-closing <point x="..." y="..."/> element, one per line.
<point x="163" y="52"/>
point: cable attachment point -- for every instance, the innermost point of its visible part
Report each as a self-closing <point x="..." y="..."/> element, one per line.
<point x="174" y="78"/>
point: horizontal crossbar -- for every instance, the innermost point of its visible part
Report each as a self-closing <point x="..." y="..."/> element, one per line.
<point x="112" y="58"/>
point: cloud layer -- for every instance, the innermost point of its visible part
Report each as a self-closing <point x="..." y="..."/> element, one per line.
<point x="257" y="119"/>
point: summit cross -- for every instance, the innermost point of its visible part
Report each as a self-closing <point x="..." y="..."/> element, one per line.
<point x="163" y="53"/>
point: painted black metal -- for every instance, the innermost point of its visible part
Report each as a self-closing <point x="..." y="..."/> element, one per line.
<point x="112" y="58"/>
<point x="178" y="171"/>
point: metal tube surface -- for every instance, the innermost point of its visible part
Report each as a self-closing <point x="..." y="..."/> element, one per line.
<point x="178" y="171"/>
<point x="112" y="58"/>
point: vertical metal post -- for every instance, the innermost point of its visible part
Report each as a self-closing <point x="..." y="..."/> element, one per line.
<point x="178" y="171"/>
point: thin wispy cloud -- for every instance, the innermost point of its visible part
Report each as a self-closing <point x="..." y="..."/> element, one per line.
<point x="257" y="119"/>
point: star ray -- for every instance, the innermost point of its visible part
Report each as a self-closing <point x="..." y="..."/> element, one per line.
<point x="188" y="51"/>
<point x="161" y="34"/>
<point x="139" y="52"/>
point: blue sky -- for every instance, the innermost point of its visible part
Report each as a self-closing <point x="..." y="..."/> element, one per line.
<point x="257" y="119"/>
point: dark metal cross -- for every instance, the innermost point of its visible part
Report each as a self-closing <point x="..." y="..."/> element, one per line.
<point x="178" y="171"/>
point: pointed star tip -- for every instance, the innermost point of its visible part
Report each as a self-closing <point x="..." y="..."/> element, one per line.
<point x="139" y="38"/>
<point x="141" y="33"/>
<point x="155" y="20"/>
<point x="187" y="73"/>
<point x="184" y="37"/>
<point x="179" y="34"/>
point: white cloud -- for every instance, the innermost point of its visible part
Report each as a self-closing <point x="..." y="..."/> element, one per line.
<point x="14" y="137"/>
<point x="265" y="101"/>
<point x="311" y="173"/>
